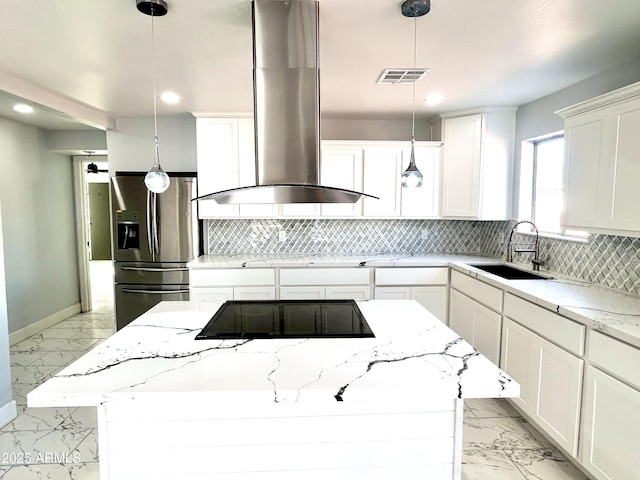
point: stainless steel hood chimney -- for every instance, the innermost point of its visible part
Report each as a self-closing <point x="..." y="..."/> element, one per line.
<point x="286" y="93"/>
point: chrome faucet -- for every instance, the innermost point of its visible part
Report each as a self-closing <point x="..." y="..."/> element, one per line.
<point x="525" y="247"/>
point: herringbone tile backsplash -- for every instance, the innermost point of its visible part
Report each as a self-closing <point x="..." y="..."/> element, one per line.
<point x="607" y="260"/>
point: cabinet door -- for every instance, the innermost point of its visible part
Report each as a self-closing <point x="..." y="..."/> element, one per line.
<point x="303" y="293"/>
<point x="211" y="294"/>
<point x="341" y="167"/>
<point x="382" y="180"/>
<point x="486" y="332"/>
<point x="461" y="166"/>
<point x="423" y="201"/>
<point x="433" y="299"/>
<point x="586" y="152"/>
<point x="461" y="315"/>
<point x="610" y="426"/>
<point x="348" y="292"/>
<point x="392" y="293"/>
<point x="254" y="293"/>
<point x="217" y="163"/>
<point x="520" y="358"/>
<point x="626" y="168"/>
<point x="559" y="390"/>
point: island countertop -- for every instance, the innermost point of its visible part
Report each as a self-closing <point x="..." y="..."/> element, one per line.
<point x="413" y="356"/>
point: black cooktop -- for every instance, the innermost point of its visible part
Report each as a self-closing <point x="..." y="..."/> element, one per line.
<point x="287" y="319"/>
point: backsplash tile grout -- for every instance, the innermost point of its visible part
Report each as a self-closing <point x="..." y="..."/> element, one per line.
<point x="611" y="261"/>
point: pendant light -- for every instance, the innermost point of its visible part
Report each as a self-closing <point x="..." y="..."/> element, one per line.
<point x="156" y="179"/>
<point x="412" y="177"/>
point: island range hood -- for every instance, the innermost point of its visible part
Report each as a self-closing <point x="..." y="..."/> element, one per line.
<point x="286" y="92"/>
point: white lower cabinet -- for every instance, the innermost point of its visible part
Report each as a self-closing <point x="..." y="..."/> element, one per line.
<point x="219" y="285"/>
<point x="432" y="298"/>
<point x="426" y="285"/>
<point x="222" y="294"/>
<point x="611" y="422"/>
<point x="550" y="382"/>
<point x="476" y="323"/>
<point x="324" y="283"/>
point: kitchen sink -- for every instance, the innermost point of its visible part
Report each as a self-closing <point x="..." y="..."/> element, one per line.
<point x="508" y="272"/>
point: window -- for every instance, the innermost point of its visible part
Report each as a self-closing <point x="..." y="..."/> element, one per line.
<point x="541" y="184"/>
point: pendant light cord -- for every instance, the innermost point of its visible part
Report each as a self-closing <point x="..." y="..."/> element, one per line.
<point x="155" y="95"/>
<point x="415" y="48"/>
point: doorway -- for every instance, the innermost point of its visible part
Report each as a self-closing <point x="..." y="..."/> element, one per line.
<point x="93" y="228"/>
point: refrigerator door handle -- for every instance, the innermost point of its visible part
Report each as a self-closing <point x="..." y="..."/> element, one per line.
<point x="158" y="292"/>
<point x="152" y="224"/>
<point x="151" y="269"/>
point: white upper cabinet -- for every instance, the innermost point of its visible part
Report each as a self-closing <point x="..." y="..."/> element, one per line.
<point x="477" y="162"/>
<point x="226" y="159"/>
<point x="382" y="179"/>
<point x="341" y="167"/>
<point x="601" y="163"/>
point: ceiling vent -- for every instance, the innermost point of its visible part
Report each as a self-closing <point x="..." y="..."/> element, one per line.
<point x="402" y="75"/>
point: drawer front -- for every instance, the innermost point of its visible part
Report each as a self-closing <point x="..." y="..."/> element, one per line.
<point x="555" y="328"/>
<point x="483" y="293"/>
<point x="616" y="357"/>
<point x="324" y="276"/>
<point x="232" y="277"/>
<point x="411" y="276"/>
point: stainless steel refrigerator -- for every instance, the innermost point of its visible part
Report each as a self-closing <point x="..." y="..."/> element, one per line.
<point x="153" y="235"/>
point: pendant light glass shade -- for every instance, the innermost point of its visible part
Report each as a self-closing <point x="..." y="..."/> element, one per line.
<point x="412" y="178"/>
<point x="156" y="179"/>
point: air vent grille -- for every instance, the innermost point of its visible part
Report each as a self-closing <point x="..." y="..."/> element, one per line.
<point x="402" y="75"/>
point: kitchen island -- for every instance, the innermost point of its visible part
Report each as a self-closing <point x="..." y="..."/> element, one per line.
<point x="170" y="406"/>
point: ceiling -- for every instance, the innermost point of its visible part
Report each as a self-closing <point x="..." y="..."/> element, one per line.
<point x="90" y="58"/>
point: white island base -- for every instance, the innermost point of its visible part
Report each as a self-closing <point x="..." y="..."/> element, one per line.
<point x="171" y="407"/>
<point x="341" y="442"/>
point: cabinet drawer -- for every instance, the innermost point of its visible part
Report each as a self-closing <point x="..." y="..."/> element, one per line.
<point x="556" y="328"/>
<point x="617" y="357"/>
<point x="411" y="276"/>
<point x="324" y="276"/>
<point x="485" y="294"/>
<point x="232" y="277"/>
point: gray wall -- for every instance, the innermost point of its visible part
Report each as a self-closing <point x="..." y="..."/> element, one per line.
<point x="131" y="147"/>
<point x="5" y="371"/>
<point x="38" y="225"/>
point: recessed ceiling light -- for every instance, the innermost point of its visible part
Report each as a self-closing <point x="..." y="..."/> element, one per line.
<point x="23" y="108"/>
<point x="170" y="97"/>
<point x="433" y="99"/>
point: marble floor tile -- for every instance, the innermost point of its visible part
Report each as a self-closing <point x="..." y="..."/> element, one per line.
<point x="497" y="434"/>
<point x="80" y="471"/>
<point x="490" y="407"/>
<point x="31" y="444"/>
<point x="544" y="464"/>
<point x="489" y="465"/>
<point x="81" y="418"/>
<point x="58" y="359"/>
<point x="24" y="359"/>
<point x="38" y="418"/>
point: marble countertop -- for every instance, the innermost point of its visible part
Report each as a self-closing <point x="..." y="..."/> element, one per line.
<point x="600" y="308"/>
<point x="324" y="260"/>
<point x="604" y="309"/>
<point x="413" y="356"/>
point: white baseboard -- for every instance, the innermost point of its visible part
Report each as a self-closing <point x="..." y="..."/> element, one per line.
<point x="8" y="412"/>
<point x="40" y="325"/>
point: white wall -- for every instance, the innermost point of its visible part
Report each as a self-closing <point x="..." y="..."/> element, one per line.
<point x="537" y="118"/>
<point x="7" y="404"/>
<point x="131" y="146"/>
<point x="38" y="225"/>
